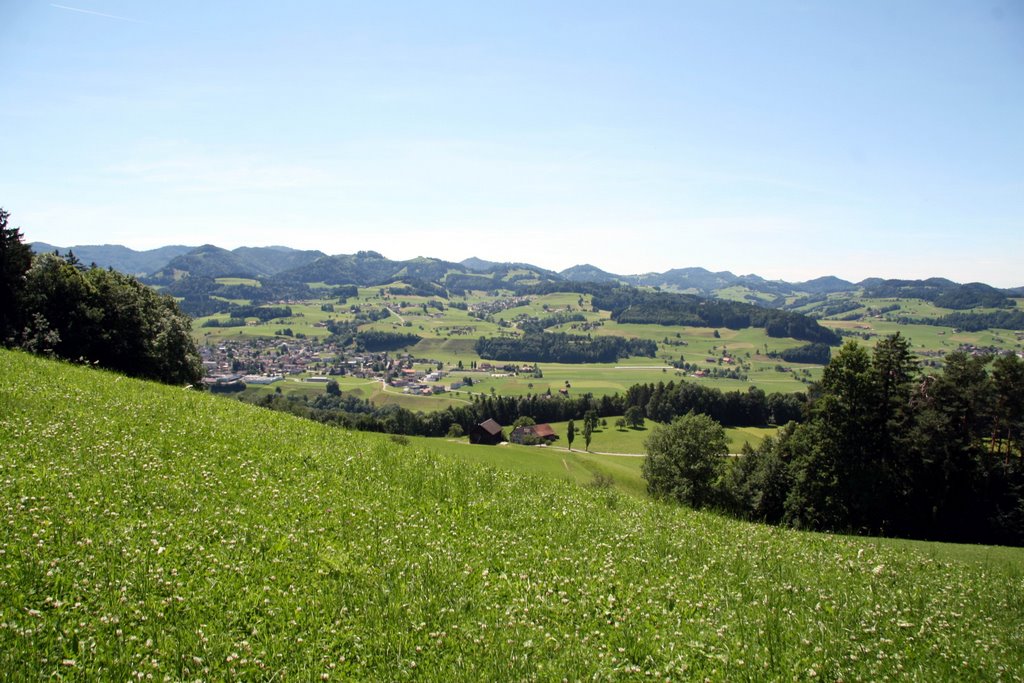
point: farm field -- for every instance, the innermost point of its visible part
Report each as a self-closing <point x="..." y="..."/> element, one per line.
<point x="449" y="336"/>
<point x="155" y="531"/>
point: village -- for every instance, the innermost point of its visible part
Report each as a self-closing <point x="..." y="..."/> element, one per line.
<point x="232" y="365"/>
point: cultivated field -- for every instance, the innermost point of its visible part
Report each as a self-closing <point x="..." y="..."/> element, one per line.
<point x="448" y="336"/>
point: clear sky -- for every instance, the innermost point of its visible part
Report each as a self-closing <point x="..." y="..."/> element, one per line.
<point x="791" y="139"/>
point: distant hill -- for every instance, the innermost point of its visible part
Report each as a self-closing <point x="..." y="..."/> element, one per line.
<point x="588" y="273"/>
<point x="942" y="292"/>
<point x="506" y="271"/>
<point x="370" y="267"/>
<point x="273" y="260"/>
<point x="698" y="280"/>
<point x="478" y="264"/>
<point x="118" y="257"/>
<point x="207" y="261"/>
<point x="251" y="262"/>
<point x="825" y="285"/>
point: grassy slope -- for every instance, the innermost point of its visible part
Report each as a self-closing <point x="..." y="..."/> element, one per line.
<point x="611" y="439"/>
<point x="152" y="530"/>
<point x="551" y="463"/>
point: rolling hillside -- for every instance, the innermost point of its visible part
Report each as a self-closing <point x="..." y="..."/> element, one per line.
<point x="367" y="268"/>
<point x="151" y="530"/>
<point x="118" y="257"/>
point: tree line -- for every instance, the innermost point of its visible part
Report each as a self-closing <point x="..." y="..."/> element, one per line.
<point x="817" y="353"/>
<point x="659" y="402"/>
<point x="545" y="347"/>
<point x="973" y="322"/>
<point x="665" y="401"/>
<point x="885" y="450"/>
<point x="54" y="305"/>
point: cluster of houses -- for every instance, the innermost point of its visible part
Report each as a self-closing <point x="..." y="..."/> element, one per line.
<point x="489" y="432"/>
<point x="233" y="364"/>
<point x="265" y="361"/>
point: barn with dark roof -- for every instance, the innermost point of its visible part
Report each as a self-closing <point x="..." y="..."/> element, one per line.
<point x="487" y="432"/>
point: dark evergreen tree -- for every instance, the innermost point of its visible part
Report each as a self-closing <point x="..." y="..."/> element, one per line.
<point x="15" y="260"/>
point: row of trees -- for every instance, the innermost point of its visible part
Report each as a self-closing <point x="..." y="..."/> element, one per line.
<point x="563" y="348"/>
<point x="973" y="322"/>
<point x="660" y="402"/>
<point x="56" y="306"/>
<point x="885" y="450"/>
<point x="664" y="401"/>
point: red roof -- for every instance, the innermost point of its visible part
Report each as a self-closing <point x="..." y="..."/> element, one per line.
<point x="543" y="431"/>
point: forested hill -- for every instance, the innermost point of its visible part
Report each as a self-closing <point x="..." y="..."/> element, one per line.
<point x="942" y="292"/>
<point x="119" y="258"/>
<point x="629" y="305"/>
<point x="372" y="268"/>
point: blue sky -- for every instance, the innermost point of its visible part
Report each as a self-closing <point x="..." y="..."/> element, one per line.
<point x="788" y="139"/>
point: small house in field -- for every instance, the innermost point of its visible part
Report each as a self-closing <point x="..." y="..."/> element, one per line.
<point x="533" y="434"/>
<point x="487" y="432"/>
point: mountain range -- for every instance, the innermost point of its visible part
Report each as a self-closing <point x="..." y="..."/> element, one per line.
<point x="170" y="263"/>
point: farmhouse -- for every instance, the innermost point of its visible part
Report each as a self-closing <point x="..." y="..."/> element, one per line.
<point x="487" y="432"/>
<point x="533" y="434"/>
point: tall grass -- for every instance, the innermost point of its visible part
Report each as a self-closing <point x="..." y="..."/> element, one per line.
<point x="152" y="533"/>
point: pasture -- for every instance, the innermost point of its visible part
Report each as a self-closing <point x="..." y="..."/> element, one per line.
<point x="449" y="336"/>
<point x="154" y="531"/>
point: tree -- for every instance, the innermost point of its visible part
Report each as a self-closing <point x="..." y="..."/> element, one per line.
<point x="848" y="424"/>
<point x="570" y="433"/>
<point x="455" y="431"/>
<point x="949" y="455"/>
<point x="15" y="260"/>
<point x="109" y="319"/>
<point x="588" y="433"/>
<point x="333" y="388"/>
<point x="523" y="421"/>
<point x="1008" y="422"/>
<point x="635" y="417"/>
<point x="685" y="460"/>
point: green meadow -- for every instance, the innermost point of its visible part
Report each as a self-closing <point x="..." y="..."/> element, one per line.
<point x="620" y="473"/>
<point x="611" y="439"/>
<point x="152" y="532"/>
<point x="449" y="337"/>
